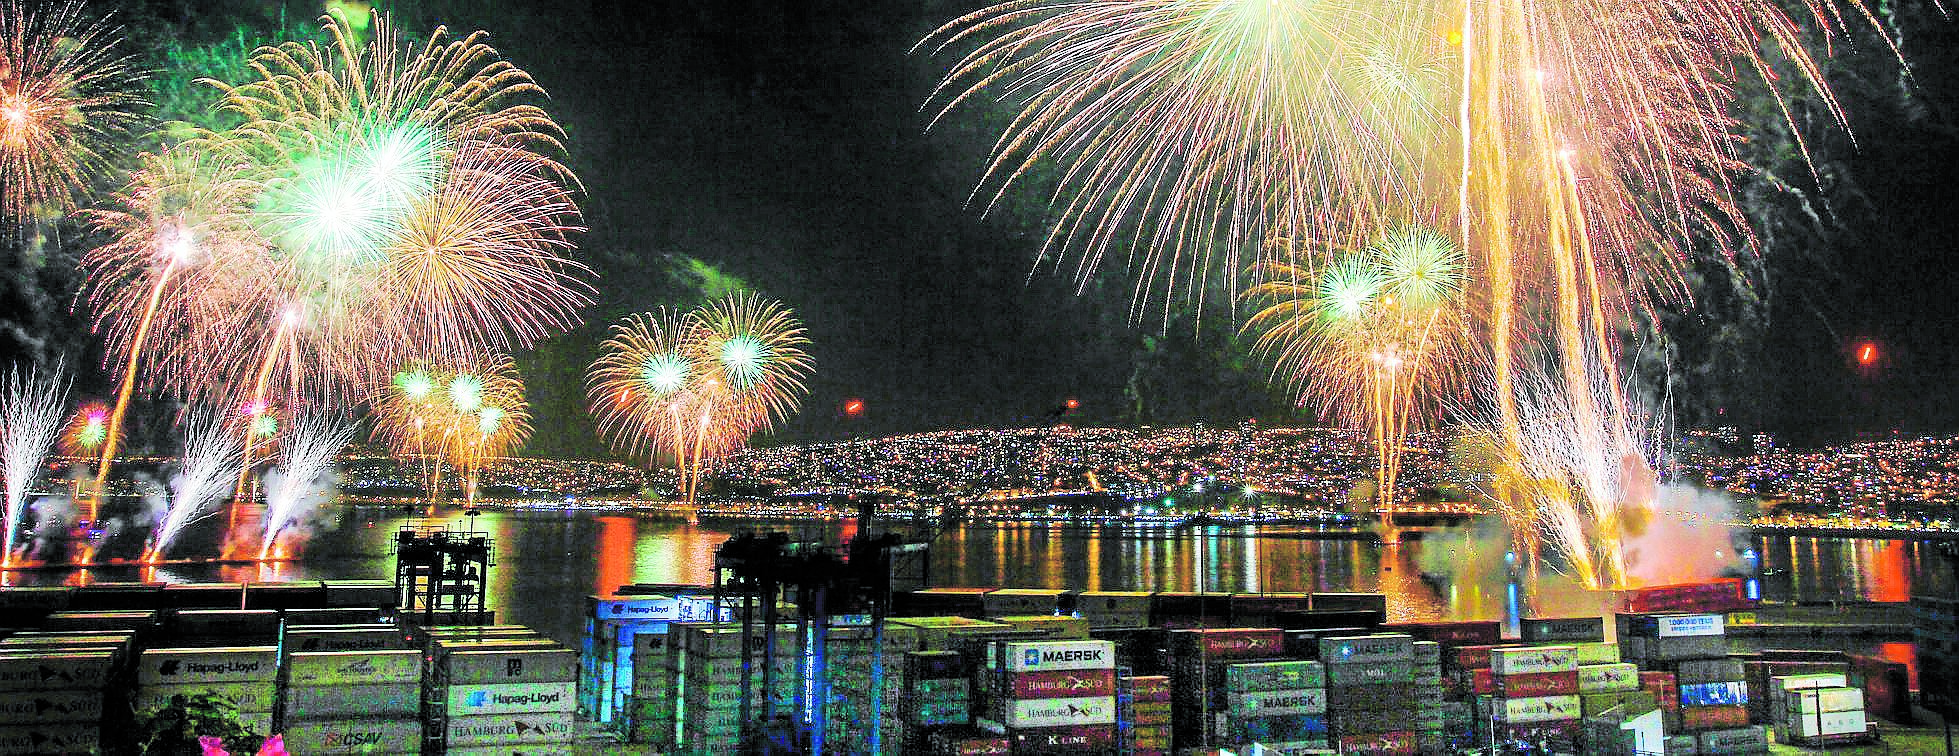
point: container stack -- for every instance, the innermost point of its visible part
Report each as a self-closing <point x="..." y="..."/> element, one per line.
<point x="52" y="691"/>
<point x="1373" y="703"/>
<point x="1824" y="716"/>
<point x="1535" y="698"/>
<point x="1143" y="714"/>
<point x="1198" y="659"/>
<point x="936" y="695"/>
<point x="1052" y="696"/>
<point x="607" y="669"/>
<point x="485" y="695"/>
<point x="649" y="711"/>
<point x="248" y="676"/>
<point x="1708" y="690"/>
<point x="1815" y="709"/>
<point x="352" y="701"/>
<point x="1280" y="705"/>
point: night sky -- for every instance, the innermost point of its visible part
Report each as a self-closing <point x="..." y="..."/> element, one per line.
<point x="782" y="143"/>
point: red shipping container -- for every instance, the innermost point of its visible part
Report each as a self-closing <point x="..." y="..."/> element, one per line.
<point x="1537" y="684"/>
<point x="1064" y="740"/>
<point x="1696" y="718"/>
<point x="976" y="746"/>
<point x="1151" y="689"/>
<point x="1482" y="682"/>
<point x="1063" y="683"/>
<point x="1468" y="633"/>
<point x="1469" y="657"/>
<point x="1228" y="643"/>
<point x="1887" y="687"/>
<point x="1379" y="743"/>
<point x="1650" y="678"/>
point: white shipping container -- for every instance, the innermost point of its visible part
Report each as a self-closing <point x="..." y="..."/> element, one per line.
<point x="345" y="736"/>
<point x="526" y="749"/>
<point x="170" y="666"/>
<point x="1828" y="723"/>
<point x="340" y="701"/>
<point x="500" y="729"/>
<point x="1061" y="712"/>
<point x="250" y="696"/>
<point x="353" y="667"/>
<point x="63" y="737"/>
<point x="329" y="638"/>
<point x="1805" y="682"/>
<point x="1537" y="709"/>
<point x="1045" y="656"/>
<point x="1533" y="659"/>
<point x="510" y="666"/>
<point x="1689" y="625"/>
<point x="1279" y="702"/>
<point x="1825" y="700"/>
<point x="42" y="706"/>
<point x="33" y="670"/>
<point x="519" y="698"/>
<point x="1608" y="678"/>
<point x="1605" y="652"/>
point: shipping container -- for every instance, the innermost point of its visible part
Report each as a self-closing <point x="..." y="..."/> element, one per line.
<point x="1055" y="655"/>
<point x="1278" y="702"/>
<point x="1538" y="709"/>
<point x="1367" y="649"/>
<point x="366" y="735"/>
<point x="556" y="727"/>
<point x="164" y="666"/>
<point x="1562" y="629"/>
<point x="60" y="739"/>
<point x="1282" y="675"/>
<point x="389" y="699"/>
<point x="508" y="666"/>
<point x="353" y="667"/>
<point x="1527" y="660"/>
<point x="1060" y="712"/>
<point x="247" y="696"/>
<point x="299" y="638"/>
<point x="508" y="698"/>
<point x="47" y="706"/>
<point x="1607" y="678"/>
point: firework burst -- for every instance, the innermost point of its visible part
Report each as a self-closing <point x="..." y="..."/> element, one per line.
<point x="1372" y="337"/>
<point x="67" y="97"/>
<point x="31" y="410"/>
<point x="463" y="415"/>
<point x="694" y="386"/>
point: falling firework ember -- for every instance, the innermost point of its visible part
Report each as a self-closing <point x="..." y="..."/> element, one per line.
<point x="211" y="458"/>
<point x="296" y="487"/>
<point x="31" y="415"/>
<point x="67" y="96"/>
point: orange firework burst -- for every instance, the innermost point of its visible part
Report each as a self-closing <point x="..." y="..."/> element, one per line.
<point x="464" y="414"/>
<point x="66" y="95"/>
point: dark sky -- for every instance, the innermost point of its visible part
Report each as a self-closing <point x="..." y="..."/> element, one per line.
<point x="782" y="142"/>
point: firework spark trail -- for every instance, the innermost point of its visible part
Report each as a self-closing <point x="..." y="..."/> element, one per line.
<point x="305" y="457"/>
<point x="179" y="257"/>
<point x="67" y="98"/>
<point x="32" y="410"/>
<point x="210" y="457"/>
<point x="1580" y="484"/>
